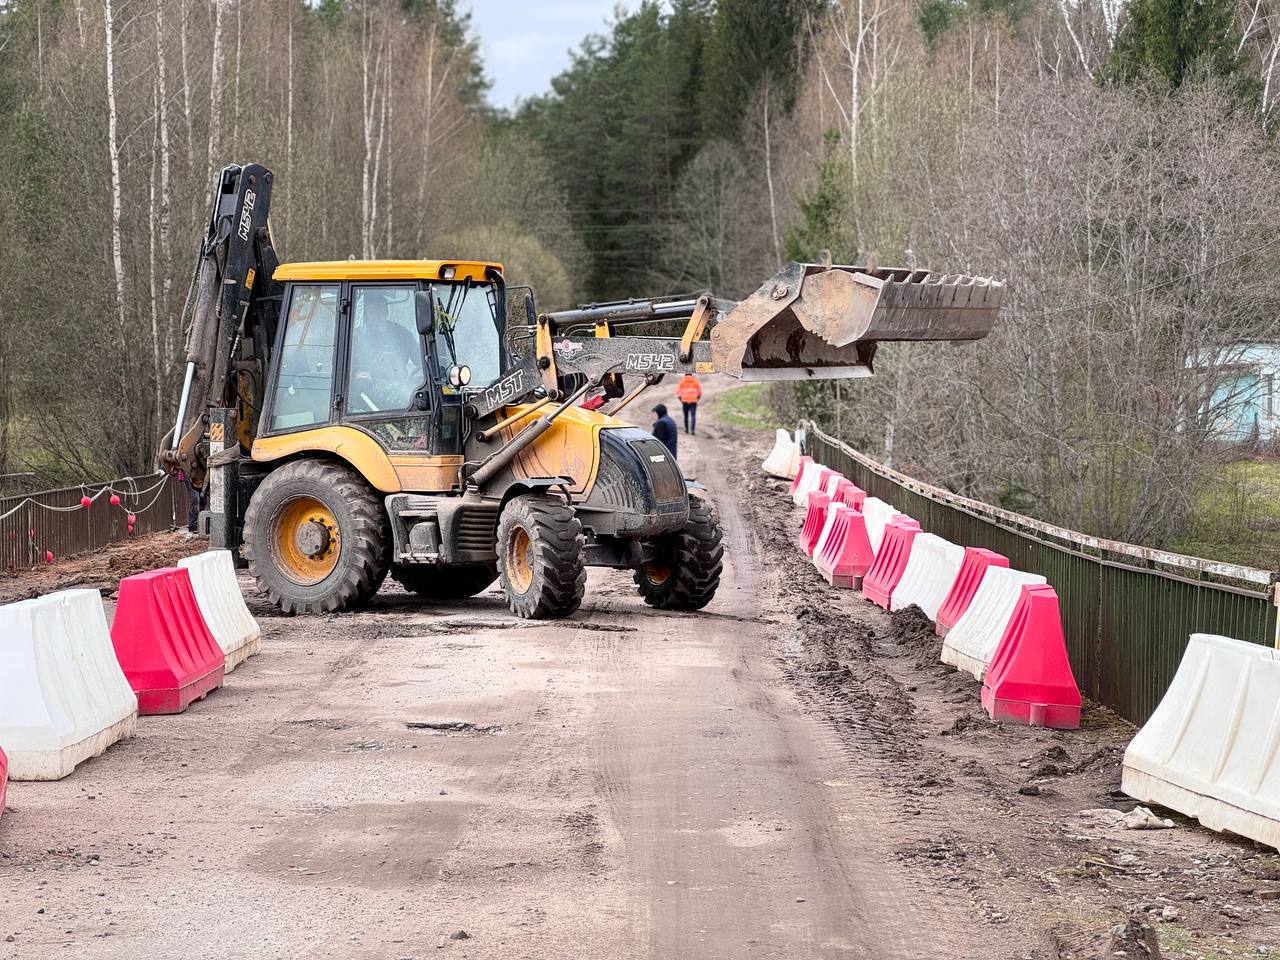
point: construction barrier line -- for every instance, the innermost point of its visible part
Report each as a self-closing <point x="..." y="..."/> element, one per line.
<point x="1030" y="679"/>
<point x="972" y="569"/>
<point x="970" y="644"/>
<point x="814" y="520"/>
<point x="846" y="556"/>
<point x="799" y="478"/>
<point x="162" y="642"/>
<point x="891" y="560"/>
<point x="878" y="514"/>
<point x="63" y="697"/>
<point x="213" y="578"/>
<point x="1211" y="748"/>
<point x="931" y="572"/>
<point x="784" y="459"/>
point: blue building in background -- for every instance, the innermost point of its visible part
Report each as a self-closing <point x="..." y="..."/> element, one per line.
<point x="1243" y="407"/>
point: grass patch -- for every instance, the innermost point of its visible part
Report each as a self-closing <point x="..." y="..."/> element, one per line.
<point x="1237" y="516"/>
<point x="746" y="407"/>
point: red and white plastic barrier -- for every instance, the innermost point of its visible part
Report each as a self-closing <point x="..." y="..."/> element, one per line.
<point x="795" y="483"/>
<point x="813" y="478"/>
<point x="1030" y="679"/>
<point x="891" y="560"/>
<point x="972" y="569"/>
<point x="162" y="642"/>
<point x="213" y="578"/>
<point x="970" y="644"/>
<point x="930" y="574"/>
<point x="848" y="493"/>
<point x="63" y="698"/>
<point x="784" y="459"/>
<point x="1211" y="750"/>
<point x="846" y="554"/>
<point x="814" y="521"/>
<point x="878" y="514"/>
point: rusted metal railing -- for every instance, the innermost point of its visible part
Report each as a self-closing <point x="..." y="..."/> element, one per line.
<point x="53" y="521"/>
<point x="1128" y="611"/>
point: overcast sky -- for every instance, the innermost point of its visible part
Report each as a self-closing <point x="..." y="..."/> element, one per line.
<point x="527" y="42"/>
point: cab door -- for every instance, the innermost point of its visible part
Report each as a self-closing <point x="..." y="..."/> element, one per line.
<point x="390" y="392"/>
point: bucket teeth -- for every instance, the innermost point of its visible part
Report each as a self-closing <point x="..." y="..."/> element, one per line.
<point x="813" y="321"/>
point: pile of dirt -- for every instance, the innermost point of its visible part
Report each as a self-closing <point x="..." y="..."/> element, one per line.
<point x="911" y="629"/>
<point x="101" y="569"/>
<point x="1134" y="937"/>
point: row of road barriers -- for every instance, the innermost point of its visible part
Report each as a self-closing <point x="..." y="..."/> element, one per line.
<point x="1210" y="749"/>
<point x="70" y="686"/>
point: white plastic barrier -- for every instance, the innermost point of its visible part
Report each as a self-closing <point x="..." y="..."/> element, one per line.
<point x="810" y="480"/>
<point x="63" y="696"/>
<point x="970" y="644"/>
<point x="929" y="575"/>
<point x="1212" y="748"/>
<point x="878" y="514"/>
<point x="784" y="459"/>
<point x="213" y="577"/>
<point x="833" y="511"/>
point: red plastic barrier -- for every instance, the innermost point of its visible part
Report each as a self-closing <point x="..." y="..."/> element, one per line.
<point x="804" y="462"/>
<point x="846" y="557"/>
<point x="972" y="569"/>
<point x="4" y="779"/>
<point x="895" y="549"/>
<point x="1030" y="679"/>
<point x="849" y="494"/>
<point x="814" y="521"/>
<point x="162" y="642"/>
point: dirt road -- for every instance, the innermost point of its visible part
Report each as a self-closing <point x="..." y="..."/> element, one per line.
<point x="416" y="781"/>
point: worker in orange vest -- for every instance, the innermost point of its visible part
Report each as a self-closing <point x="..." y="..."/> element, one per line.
<point x="689" y="391"/>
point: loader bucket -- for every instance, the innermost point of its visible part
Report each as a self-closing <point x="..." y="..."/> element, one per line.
<point x="823" y="322"/>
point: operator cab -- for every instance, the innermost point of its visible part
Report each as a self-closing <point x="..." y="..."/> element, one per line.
<point x="386" y="347"/>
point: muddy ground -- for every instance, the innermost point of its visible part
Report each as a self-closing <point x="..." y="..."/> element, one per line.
<point x="787" y="774"/>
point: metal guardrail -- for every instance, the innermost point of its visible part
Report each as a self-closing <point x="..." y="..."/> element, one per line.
<point x="53" y="520"/>
<point x="1128" y="612"/>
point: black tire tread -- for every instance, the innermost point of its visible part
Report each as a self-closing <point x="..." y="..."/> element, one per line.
<point x="360" y="571"/>
<point x="697" y="561"/>
<point x="559" y="576"/>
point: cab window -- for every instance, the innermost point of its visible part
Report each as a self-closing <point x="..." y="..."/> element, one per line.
<point x="386" y="368"/>
<point x="467" y="331"/>
<point x="304" y="384"/>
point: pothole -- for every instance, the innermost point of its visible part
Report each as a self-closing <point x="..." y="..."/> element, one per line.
<point x="456" y="726"/>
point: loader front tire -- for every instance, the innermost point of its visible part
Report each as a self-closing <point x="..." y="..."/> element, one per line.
<point x="685" y="570"/>
<point x="316" y="538"/>
<point x="540" y="567"/>
<point x="445" y="583"/>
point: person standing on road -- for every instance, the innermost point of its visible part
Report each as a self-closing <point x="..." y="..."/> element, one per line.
<point x="664" y="428"/>
<point x="690" y="392"/>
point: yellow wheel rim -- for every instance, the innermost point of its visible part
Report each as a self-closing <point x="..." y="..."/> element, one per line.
<point x="305" y="542"/>
<point x="657" y="573"/>
<point x="519" y="560"/>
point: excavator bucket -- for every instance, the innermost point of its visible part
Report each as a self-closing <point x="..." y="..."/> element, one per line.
<point x="823" y="322"/>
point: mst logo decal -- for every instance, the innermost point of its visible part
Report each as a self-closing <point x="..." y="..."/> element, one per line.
<point x="651" y="363"/>
<point x="246" y="215"/>
<point x="510" y="387"/>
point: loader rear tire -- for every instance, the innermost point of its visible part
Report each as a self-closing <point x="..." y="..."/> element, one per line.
<point x="540" y="566"/>
<point x="316" y="538"/>
<point x="685" y="570"/>
<point x="445" y="583"/>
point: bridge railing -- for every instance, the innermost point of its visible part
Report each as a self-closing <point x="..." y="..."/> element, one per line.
<point x="1128" y="611"/>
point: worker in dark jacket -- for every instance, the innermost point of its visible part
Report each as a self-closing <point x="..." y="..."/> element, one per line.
<point x="664" y="428"/>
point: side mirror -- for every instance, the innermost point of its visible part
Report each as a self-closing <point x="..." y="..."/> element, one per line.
<point x="529" y="310"/>
<point x="424" y="312"/>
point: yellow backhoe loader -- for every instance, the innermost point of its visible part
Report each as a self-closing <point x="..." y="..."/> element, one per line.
<point x="417" y="418"/>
